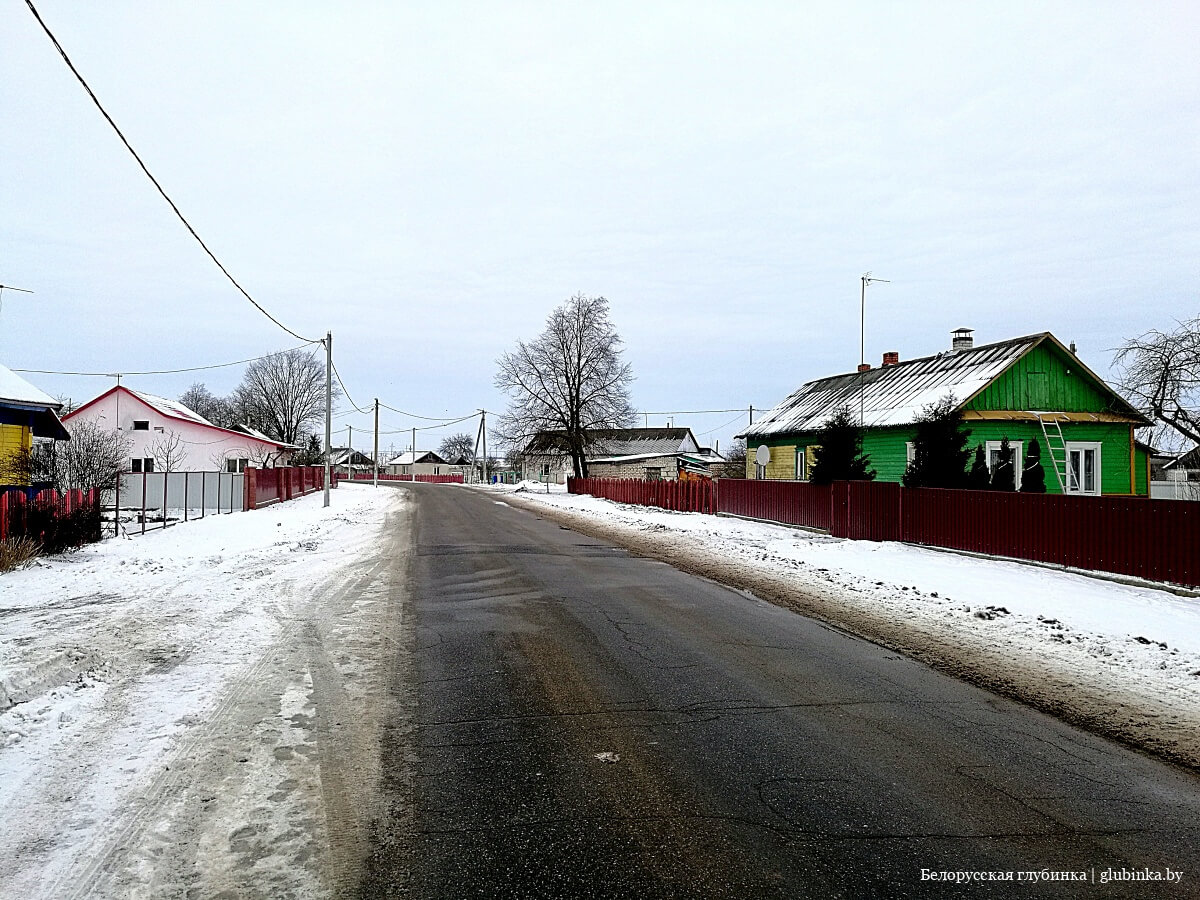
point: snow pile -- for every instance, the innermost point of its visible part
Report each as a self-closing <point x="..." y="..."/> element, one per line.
<point x="1122" y="659"/>
<point x="135" y="675"/>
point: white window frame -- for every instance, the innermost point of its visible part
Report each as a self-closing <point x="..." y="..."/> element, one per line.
<point x="910" y="453"/>
<point x="1018" y="452"/>
<point x="801" y="463"/>
<point x="1081" y="447"/>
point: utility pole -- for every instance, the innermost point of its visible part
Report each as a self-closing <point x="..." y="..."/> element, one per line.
<point x="414" y="453"/>
<point x="349" y="449"/>
<point x="483" y="431"/>
<point x="328" y="406"/>
<point x="751" y="413"/>
<point x="375" y="452"/>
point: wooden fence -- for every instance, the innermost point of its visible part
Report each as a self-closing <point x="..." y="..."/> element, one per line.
<point x="1154" y="539"/>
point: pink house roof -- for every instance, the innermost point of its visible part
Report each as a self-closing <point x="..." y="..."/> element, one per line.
<point x="173" y="409"/>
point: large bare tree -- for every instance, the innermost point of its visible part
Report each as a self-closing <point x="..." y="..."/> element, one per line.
<point x="456" y="447"/>
<point x="217" y="410"/>
<point x="570" y="380"/>
<point x="94" y="457"/>
<point x="282" y="395"/>
<point x="1160" y="374"/>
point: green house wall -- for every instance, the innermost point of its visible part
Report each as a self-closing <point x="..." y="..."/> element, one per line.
<point x="888" y="451"/>
<point x="1043" y="379"/>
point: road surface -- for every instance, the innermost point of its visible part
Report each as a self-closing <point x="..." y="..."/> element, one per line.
<point x="568" y="719"/>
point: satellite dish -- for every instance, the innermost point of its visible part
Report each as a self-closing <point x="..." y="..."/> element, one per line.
<point x="762" y="455"/>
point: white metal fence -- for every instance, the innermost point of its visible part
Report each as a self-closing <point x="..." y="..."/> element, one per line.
<point x="157" y="499"/>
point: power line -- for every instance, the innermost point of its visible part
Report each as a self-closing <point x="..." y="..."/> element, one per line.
<point x="346" y="393"/>
<point x="427" y="418"/>
<point x="153" y="180"/>
<point x="690" y="412"/>
<point x="170" y="371"/>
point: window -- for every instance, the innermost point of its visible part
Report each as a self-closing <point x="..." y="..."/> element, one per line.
<point x="654" y="473"/>
<point x="143" y="464"/>
<point x="992" y="451"/>
<point x="437" y="470"/>
<point x="806" y="458"/>
<point x="545" y="470"/>
<point x="236" y="465"/>
<point x="910" y="453"/>
<point x="141" y="424"/>
<point x="1083" y="467"/>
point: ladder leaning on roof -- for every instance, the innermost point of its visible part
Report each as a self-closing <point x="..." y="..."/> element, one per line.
<point x="1056" y="446"/>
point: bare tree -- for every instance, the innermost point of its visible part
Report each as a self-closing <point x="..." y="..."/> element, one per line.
<point x="735" y="460"/>
<point x="282" y="395"/>
<point x="217" y="410"/>
<point x="168" y="451"/>
<point x="95" y="457"/>
<point x="1160" y="374"/>
<point x="456" y="447"/>
<point x="570" y="380"/>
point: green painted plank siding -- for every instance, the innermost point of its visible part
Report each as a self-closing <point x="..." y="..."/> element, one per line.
<point x="1043" y="379"/>
<point x="888" y="451"/>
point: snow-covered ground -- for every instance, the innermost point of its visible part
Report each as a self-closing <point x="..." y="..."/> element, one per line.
<point x="1122" y="659"/>
<point x="161" y="703"/>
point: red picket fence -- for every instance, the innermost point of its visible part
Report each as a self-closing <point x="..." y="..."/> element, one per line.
<point x="1153" y="539"/>
<point x="681" y="496"/>
<point x="56" y="521"/>
<point x="266" y="486"/>
<point x="422" y="479"/>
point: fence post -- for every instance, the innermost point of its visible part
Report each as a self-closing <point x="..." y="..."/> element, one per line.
<point x="249" y="489"/>
<point x="4" y="516"/>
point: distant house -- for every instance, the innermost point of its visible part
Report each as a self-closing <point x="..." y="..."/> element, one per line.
<point x="651" y="453"/>
<point x="165" y="434"/>
<point x="346" y="461"/>
<point x="26" y="414"/>
<point x="1176" y="477"/>
<point x="1024" y="389"/>
<point x="423" y="462"/>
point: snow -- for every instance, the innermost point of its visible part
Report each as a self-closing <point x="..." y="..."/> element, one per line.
<point x="135" y="674"/>
<point x="1123" y="658"/>
<point x="15" y="388"/>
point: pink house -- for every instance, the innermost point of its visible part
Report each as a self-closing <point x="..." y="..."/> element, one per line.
<point x="167" y="436"/>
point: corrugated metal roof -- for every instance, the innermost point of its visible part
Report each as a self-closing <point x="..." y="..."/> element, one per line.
<point x="174" y="408"/>
<point x="894" y="395"/>
<point x="612" y="442"/>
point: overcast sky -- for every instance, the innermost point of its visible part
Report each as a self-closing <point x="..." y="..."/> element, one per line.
<point x="428" y="180"/>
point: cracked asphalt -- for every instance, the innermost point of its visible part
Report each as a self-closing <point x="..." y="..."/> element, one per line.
<point x="573" y="720"/>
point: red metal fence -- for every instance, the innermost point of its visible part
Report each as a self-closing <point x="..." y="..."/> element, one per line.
<point x="681" y="496"/>
<point x="426" y="479"/>
<point x="57" y="521"/>
<point x="266" y="486"/>
<point x="1154" y="539"/>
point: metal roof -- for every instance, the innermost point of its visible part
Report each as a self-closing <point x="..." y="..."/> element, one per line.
<point x="15" y="389"/>
<point x="896" y="394"/>
<point x="613" y="442"/>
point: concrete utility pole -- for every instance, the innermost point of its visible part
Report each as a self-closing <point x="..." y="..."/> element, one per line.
<point x="414" y="454"/>
<point x="375" y="452"/>
<point x="328" y="406"/>
<point x="751" y="413"/>
<point x="349" y="449"/>
<point x="483" y="430"/>
<point x="862" y="341"/>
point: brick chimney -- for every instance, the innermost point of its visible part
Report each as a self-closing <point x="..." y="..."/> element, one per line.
<point x="961" y="339"/>
<point x="891" y="358"/>
<point x="864" y="367"/>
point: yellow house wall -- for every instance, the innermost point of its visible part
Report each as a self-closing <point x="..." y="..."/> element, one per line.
<point x="782" y="466"/>
<point x="14" y="438"/>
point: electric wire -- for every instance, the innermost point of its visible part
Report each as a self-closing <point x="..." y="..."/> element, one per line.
<point x="726" y="425"/>
<point x="153" y="180"/>
<point x="428" y="418"/>
<point x="346" y="393"/>
<point x="237" y="362"/>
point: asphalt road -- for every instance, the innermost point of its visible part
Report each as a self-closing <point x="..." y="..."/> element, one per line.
<point x="573" y="720"/>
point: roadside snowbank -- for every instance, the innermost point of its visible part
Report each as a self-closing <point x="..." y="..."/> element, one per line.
<point x="154" y="690"/>
<point x="1120" y="659"/>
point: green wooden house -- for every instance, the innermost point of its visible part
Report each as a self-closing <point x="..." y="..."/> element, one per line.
<point x="1022" y="389"/>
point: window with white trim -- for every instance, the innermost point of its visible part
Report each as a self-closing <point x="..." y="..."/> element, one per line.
<point x="806" y="458"/>
<point x="992" y="454"/>
<point x="142" y="464"/>
<point x="1083" y="468"/>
